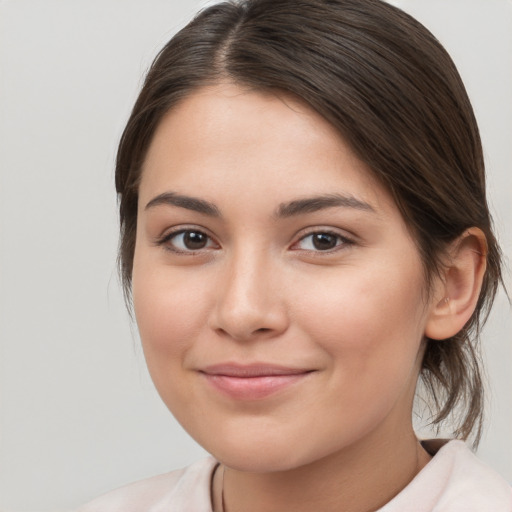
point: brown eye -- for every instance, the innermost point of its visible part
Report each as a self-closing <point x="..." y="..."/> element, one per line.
<point x="194" y="240"/>
<point x="324" y="241"/>
<point x="187" y="240"/>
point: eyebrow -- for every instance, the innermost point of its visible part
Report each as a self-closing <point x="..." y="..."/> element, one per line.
<point x="187" y="202"/>
<point x="322" y="202"/>
<point x="284" y="210"/>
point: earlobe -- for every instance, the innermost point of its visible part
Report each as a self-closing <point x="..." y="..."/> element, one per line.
<point x="457" y="294"/>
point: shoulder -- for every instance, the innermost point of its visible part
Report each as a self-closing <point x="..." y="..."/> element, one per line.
<point x="455" y="480"/>
<point x="471" y="483"/>
<point x="169" y="492"/>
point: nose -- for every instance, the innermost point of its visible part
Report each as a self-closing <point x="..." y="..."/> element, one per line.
<point x="249" y="299"/>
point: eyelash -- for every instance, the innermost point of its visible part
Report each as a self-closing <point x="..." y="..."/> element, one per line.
<point x="165" y="240"/>
<point x="342" y="241"/>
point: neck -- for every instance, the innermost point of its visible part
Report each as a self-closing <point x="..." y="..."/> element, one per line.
<point x="361" y="478"/>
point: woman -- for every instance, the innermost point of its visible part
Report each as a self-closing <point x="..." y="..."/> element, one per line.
<point x="304" y="235"/>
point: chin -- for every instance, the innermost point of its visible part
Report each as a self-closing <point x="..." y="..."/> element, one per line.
<point x="266" y="452"/>
<point x="258" y="459"/>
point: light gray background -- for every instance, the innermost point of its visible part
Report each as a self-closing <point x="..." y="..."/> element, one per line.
<point x="79" y="414"/>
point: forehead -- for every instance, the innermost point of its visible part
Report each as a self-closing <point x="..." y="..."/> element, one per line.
<point x="227" y="138"/>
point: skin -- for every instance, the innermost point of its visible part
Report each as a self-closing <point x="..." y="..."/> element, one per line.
<point x="354" y="315"/>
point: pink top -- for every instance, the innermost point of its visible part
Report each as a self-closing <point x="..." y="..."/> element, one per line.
<point x="453" y="481"/>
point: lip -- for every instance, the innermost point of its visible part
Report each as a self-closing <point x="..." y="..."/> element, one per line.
<point x="254" y="381"/>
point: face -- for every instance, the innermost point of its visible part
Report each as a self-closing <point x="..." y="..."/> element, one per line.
<point x="278" y="293"/>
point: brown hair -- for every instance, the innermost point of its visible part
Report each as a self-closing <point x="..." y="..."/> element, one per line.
<point x="394" y="94"/>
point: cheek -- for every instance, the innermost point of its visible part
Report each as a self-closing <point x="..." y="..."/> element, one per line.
<point x="170" y="313"/>
<point x="370" y="330"/>
<point x="170" y="310"/>
<point x="370" y="322"/>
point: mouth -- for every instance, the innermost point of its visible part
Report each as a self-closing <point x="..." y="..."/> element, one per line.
<point x="252" y="382"/>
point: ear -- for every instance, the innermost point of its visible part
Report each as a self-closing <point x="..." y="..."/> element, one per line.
<point x="457" y="292"/>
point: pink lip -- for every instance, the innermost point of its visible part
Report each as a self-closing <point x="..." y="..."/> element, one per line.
<point x="252" y="382"/>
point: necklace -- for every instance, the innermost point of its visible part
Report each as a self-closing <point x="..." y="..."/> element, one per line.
<point x="222" y="504"/>
<point x="222" y="491"/>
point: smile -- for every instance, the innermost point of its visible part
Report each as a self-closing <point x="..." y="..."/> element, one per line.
<point x="252" y="382"/>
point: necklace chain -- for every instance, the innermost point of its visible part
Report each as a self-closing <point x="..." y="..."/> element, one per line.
<point x="222" y="504"/>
